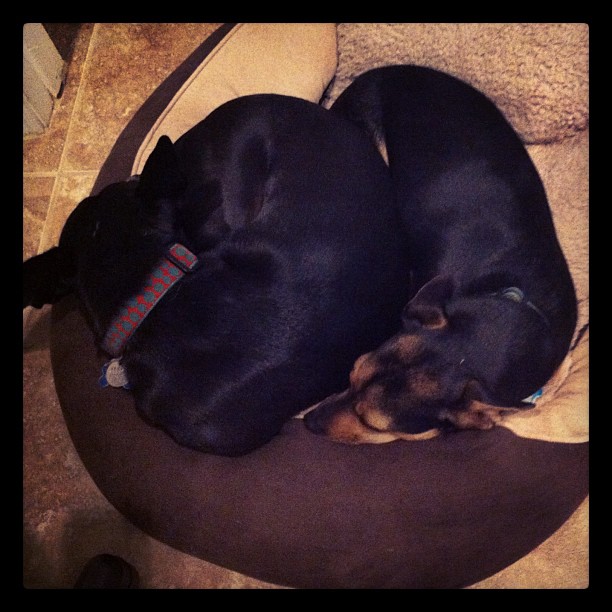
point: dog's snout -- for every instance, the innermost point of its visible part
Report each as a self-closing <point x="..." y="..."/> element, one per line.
<point x="320" y="418"/>
<point x="313" y="422"/>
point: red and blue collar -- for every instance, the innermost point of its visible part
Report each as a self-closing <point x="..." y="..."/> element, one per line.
<point x="177" y="261"/>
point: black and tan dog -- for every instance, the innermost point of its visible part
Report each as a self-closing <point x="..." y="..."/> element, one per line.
<point x="495" y="308"/>
<point x="242" y="274"/>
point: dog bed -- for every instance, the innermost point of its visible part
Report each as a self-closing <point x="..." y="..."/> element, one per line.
<point x="303" y="511"/>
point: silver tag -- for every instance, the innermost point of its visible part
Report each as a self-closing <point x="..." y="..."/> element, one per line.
<point x="114" y="375"/>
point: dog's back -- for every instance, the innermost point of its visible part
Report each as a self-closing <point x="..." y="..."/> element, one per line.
<point x="301" y="267"/>
<point x="296" y="289"/>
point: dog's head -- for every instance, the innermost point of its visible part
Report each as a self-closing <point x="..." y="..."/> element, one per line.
<point x="458" y="363"/>
<point x="110" y="239"/>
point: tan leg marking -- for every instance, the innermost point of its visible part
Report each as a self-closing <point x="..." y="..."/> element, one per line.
<point x="476" y="416"/>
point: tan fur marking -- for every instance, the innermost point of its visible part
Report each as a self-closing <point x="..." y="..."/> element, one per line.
<point x="373" y="417"/>
<point x="438" y="323"/>
<point x="346" y="427"/>
<point x="424" y="435"/>
<point x="364" y="369"/>
<point x="408" y="346"/>
<point x="476" y="416"/>
<point x="423" y="385"/>
<point x="382" y="149"/>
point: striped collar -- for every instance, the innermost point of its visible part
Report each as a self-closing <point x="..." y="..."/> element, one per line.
<point x="177" y="261"/>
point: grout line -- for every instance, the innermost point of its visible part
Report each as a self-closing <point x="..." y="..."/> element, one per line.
<point x="79" y="94"/>
<point x="53" y="173"/>
<point x="40" y="174"/>
<point x="75" y="106"/>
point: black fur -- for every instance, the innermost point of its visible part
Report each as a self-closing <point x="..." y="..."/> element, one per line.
<point x="303" y="268"/>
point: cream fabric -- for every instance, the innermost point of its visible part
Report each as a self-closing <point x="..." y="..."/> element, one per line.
<point x="562" y="413"/>
<point x="296" y="59"/>
<point x="536" y="73"/>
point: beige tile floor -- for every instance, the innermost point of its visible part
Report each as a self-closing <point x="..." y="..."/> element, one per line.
<point x="113" y="69"/>
<point x="66" y="520"/>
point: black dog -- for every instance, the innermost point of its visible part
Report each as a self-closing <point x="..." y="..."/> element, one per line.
<point x="240" y="277"/>
<point x="495" y="309"/>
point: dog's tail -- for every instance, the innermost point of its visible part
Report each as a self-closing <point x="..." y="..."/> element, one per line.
<point x="360" y="102"/>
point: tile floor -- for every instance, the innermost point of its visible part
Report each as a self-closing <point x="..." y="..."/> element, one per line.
<point x="113" y="68"/>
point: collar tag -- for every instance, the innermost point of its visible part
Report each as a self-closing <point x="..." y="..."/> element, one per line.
<point x="534" y="397"/>
<point x="114" y="375"/>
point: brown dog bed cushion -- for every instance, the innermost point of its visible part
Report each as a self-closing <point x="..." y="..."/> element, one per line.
<point x="304" y="511"/>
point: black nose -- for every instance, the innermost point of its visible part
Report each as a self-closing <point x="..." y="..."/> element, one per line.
<point x="313" y="422"/>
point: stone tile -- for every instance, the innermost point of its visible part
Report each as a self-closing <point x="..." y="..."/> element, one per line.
<point x="37" y="192"/>
<point x="43" y="152"/>
<point x="167" y="568"/>
<point x="66" y="518"/>
<point x="131" y="60"/>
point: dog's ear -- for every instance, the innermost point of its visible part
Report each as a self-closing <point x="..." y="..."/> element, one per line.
<point x="161" y="176"/>
<point x="47" y="278"/>
<point x="426" y="308"/>
<point x="477" y="412"/>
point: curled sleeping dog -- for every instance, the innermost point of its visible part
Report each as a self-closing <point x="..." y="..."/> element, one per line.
<point x="494" y="307"/>
<point x="258" y="257"/>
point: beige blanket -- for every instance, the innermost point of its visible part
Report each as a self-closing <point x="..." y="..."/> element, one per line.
<point x="562" y="413"/>
<point x="537" y="74"/>
<point x="296" y="59"/>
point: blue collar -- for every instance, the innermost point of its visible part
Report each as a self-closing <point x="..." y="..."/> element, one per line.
<point x="177" y="261"/>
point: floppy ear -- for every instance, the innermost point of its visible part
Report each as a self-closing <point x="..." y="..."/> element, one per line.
<point x="477" y="412"/>
<point x="161" y="176"/>
<point x="47" y="278"/>
<point x="426" y="308"/>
